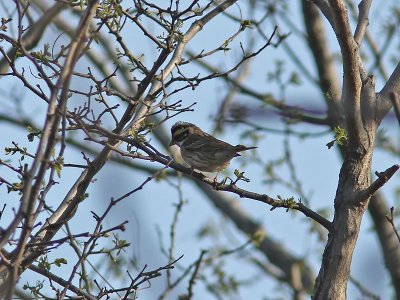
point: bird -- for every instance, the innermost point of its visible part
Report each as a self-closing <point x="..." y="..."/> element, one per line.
<point x="202" y="151"/>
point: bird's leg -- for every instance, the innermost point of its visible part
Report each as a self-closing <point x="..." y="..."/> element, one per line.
<point x="215" y="181"/>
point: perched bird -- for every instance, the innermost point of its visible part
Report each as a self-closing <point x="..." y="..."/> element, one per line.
<point x="202" y="151"/>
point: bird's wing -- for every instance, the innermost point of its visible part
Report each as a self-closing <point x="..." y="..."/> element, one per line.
<point x="196" y="144"/>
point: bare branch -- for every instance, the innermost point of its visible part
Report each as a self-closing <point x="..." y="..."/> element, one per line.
<point x="144" y="30"/>
<point x="61" y="281"/>
<point x="363" y="20"/>
<point x="177" y="56"/>
<point x="363" y="290"/>
<point x="35" y="32"/>
<point x="326" y="9"/>
<point x="390" y="219"/>
<point x="270" y="248"/>
<point x="67" y="208"/>
<point x="292" y="112"/>
<point x="383" y="177"/>
<point x="48" y="138"/>
<point x="391" y="86"/>
<point x="193" y="277"/>
<point x="378" y="209"/>
<point x="394" y="97"/>
<point x="352" y="80"/>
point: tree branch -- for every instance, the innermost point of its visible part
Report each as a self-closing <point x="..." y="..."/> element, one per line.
<point x="68" y="206"/>
<point x="383" y="177"/>
<point x="293" y="112"/>
<point x="273" y="251"/>
<point x="363" y="21"/>
<point x="31" y="38"/>
<point x="61" y="282"/>
<point x="275" y="203"/>
<point x="378" y="209"/>
<point x="394" y="98"/>
<point x="391" y="86"/>
<point x="48" y="138"/>
<point x="317" y="41"/>
<point x="352" y="81"/>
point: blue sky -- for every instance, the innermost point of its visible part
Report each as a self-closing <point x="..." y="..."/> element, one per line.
<point x="153" y="207"/>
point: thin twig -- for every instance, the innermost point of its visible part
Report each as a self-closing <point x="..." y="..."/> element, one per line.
<point x="383" y="178"/>
<point x="391" y="221"/>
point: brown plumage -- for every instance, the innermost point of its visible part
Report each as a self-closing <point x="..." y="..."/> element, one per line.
<point x="201" y="150"/>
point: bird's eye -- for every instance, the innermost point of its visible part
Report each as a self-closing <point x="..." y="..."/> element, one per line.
<point x="180" y="136"/>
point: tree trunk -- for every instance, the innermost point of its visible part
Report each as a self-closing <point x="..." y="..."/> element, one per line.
<point x="354" y="178"/>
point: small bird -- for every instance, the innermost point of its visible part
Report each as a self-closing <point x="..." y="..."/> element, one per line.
<point x="202" y="151"/>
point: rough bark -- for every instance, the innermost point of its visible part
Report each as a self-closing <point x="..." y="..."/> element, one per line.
<point x="361" y="115"/>
<point x="335" y="269"/>
<point x="328" y="81"/>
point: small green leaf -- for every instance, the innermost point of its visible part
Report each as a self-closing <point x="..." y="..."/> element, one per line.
<point x="18" y="186"/>
<point x="60" y="261"/>
<point x="32" y="133"/>
<point x="246" y="24"/>
<point x="340" y="135"/>
<point x="44" y="264"/>
<point x="58" y="165"/>
<point x="294" y="78"/>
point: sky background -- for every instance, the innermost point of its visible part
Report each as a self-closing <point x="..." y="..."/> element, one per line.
<point x="151" y="210"/>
